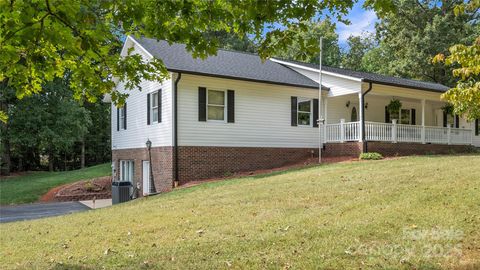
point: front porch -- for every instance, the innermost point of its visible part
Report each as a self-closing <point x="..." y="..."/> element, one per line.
<point x="360" y="117"/>
<point x="394" y="132"/>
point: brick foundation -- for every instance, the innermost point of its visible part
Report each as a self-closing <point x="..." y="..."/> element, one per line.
<point x="406" y="149"/>
<point x="346" y="149"/>
<point x="201" y="162"/>
<point x="162" y="165"/>
<point x="197" y="162"/>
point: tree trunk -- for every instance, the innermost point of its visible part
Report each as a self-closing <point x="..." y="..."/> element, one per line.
<point x="5" y="161"/>
<point x="82" y="155"/>
<point x="50" y="161"/>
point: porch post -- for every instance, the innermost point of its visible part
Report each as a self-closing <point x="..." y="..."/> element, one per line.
<point x="342" y="130"/>
<point x="325" y="119"/>
<point x="423" y="121"/>
<point x="449" y="134"/>
<point x="360" y="101"/>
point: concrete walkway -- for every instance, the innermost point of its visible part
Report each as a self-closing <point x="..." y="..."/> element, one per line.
<point x="39" y="210"/>
<point x="98" y="203"/>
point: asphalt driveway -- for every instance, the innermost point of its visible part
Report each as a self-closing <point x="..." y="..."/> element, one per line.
<point x="39" y="210"/>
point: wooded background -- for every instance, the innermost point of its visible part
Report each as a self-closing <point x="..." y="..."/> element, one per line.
<point x="52" y="99"/>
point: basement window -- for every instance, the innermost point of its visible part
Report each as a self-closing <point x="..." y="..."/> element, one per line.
<point x="126" y="170"/>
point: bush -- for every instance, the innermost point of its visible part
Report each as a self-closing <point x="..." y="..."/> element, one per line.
<point x="371" y="156"/>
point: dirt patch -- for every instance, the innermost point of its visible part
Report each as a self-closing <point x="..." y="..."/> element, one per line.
<point x="98" y="188"/>
<point x="308" y="162"/>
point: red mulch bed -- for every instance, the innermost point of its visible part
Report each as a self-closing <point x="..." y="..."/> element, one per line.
<point x="305" y="163"/>
<point x="98" y="188"/>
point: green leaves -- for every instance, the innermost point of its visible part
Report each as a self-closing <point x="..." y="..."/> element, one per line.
<point x="41" y="40"/>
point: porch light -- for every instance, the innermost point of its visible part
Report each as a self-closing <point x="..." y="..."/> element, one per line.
<point x="348" y="104"/>
<point x="366" y="105"/>
<point x="149" y="144"/>
<point x="152" y="190"/>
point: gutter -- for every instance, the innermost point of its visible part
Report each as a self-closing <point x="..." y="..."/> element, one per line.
<point x="175" y="133"/>
<point x="364" y="142"/>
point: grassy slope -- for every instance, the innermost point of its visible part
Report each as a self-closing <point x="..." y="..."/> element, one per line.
<point x="320" y="217"/>
<point x="29" y="188"/>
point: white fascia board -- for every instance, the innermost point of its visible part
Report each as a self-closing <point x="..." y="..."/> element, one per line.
<point x="317" y="70"/>
<point x="131" y="39"/>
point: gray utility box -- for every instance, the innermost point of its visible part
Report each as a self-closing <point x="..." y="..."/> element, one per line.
<point x="121" y="191"/>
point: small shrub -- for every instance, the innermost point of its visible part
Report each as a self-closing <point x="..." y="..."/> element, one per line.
<point x="371" y="156"/>
<point x="89" y="186"/>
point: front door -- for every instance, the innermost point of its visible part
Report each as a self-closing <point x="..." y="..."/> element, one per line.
<point x="146" y="177"/>
<point x="354" y="117"/>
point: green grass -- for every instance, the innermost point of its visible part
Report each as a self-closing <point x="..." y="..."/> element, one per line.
<point x="30" y="187"/>
<point x="358" y="215"/>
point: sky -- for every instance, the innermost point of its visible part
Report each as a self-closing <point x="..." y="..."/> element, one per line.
<point x="361" y="20"/>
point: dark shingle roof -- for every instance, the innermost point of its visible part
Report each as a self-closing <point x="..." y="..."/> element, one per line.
<point x="227" y="64"/>
<point x="380" y="79"/>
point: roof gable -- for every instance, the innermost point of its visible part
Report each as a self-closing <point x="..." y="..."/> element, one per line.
<point x="372" y="77"/>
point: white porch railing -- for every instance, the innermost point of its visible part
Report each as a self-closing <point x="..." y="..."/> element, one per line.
<point x="386" y="132"/>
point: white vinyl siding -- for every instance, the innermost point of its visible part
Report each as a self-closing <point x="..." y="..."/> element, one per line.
<point x="138" y="132"/>
<point x="338" y="86"/>
<point x="262" y="115"/>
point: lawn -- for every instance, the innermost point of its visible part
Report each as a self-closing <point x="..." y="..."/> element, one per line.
<point x="406" y="213"/>
<point x="30" y="187"/>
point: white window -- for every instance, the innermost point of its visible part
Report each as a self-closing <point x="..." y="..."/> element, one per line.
<point x="154" y="108"/>
<point x="304" y="112"/>
<point x="216" y="105"/>
<point x="121" y="118"/>
<point x="126" y="170"/>
<point x="405" y="116"/>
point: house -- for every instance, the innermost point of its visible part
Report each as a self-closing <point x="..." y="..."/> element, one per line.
<point x="232" y="112"/>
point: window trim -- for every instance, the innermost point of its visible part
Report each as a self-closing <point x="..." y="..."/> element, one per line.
<point x="152" y="115"/>
<point x="216" y="105"/>
<point x="303" y="99"/>
<point x="121" y="118"/>
<point x="121" y="172"/>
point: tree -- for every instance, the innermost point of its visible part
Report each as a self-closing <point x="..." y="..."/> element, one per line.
<point x="358" y="47"/>
<point x="465" y="95"/>
<point x="45" y="39"/>
<point x="231" y="41"/>
<point x="47" y="124"/>
<point x="305" y="42"/>
<point x="418" y="30"/>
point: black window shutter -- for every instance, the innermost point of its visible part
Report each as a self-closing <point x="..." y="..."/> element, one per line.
<point x="457" y="121"/>
<point x="202" y="104"/>
<point x="118" y="119"/>
<point x="125" y="116"/>
<point x="387" y="115"/>
<point x="444" y="119"/>
<point x="315" y="112"/>
<point x="159" y="102"/>
<point x="148" y="109"/>
<point x="231" y="106"/>
<point x="414" y="117"/>
<point x="476" y="127"/>
<point x="294" y="111"/>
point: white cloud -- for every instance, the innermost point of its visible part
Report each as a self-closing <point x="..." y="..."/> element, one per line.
<point x="360" y="21"/>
